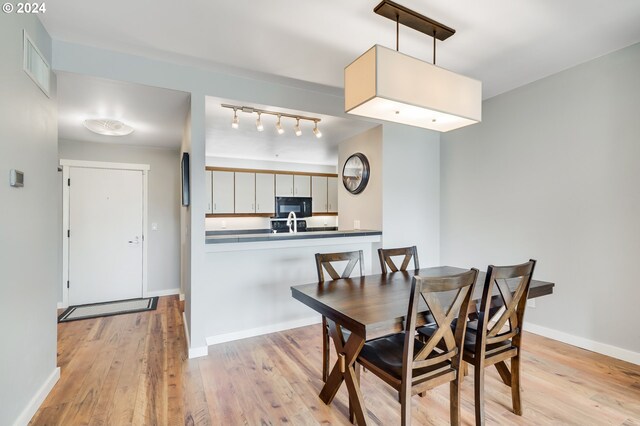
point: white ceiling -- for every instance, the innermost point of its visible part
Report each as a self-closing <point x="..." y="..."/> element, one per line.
<point x="157" y="115"/>
<point x="247" y="143"/>
<point x="503" y="43"/>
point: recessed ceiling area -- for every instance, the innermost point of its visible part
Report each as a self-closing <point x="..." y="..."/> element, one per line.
<point x="156" y="115"/>
<point x="248" y="143"/>
<point x="505" y="44"/>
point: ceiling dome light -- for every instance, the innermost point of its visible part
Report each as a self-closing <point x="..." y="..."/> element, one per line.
<point x="279" y="126"/>
<point x="317" y="131"/>
<point x="297" y="127"/>
<point x="259" y="125"/>
<point x="108" y="127"/>
<point x="236" y="121"/>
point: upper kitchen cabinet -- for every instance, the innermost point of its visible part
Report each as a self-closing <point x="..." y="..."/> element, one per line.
<point x="245" y="193"/>
<point x="332" y="194"/>
<point x="284" y="185"/>
<point x="223" y="192"/>
<point x="265" y="190"/>
<point x="319" y="194"/>
<point x="301" y="186"/>
<point x="209" y="196"/>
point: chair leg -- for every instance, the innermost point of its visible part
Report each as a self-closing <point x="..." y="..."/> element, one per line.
<point x="478" y="376"/>
<point x="515" y="385"/>
<point x="464" y="371"/>
<point x="454" y="400"/>
<point x="405" y="404"/>
<point x="325" y="350"/>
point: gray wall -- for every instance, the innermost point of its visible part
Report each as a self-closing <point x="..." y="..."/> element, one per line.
<point x="163" y="245"/>
<point x="29" y="223"/>
<point x="367" y="205"/>
<point x="552" y="173"/>
<point x="411" y="190"/>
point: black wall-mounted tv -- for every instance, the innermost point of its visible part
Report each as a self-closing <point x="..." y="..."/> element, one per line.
<point x="185" y="178"/>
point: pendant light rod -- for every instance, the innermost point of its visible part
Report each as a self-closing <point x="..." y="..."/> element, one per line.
<point x="251" y="110"/>
<point x="434" y="47"/>
<point x="397" y="33"/>
<point x="412" y="19"/>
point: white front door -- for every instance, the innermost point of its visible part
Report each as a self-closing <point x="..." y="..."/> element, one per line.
<point x="106" y="238"/>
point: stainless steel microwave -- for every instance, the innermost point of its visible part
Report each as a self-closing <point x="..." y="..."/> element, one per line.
<point x="301" y="206"/>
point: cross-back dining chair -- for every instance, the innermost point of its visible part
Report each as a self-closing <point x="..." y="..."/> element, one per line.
<point x="325" y="261"/>
<point x="386" y="256"/>
<point x="411" y="366"/>
<point x="495" y="334"/>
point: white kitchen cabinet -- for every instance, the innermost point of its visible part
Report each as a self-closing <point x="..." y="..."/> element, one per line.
<point x="245" y="192"/>
<point x="265" y="193"/>
<point x="209" y="195"/>
<point x="319" y="194"/>
<point x="332" y="195"/>
<point x="222" y="184"/>
<point x="284" y="185"/>
<point x="301" y="186"/>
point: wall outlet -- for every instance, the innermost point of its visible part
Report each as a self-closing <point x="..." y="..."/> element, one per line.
<point x="356" y="224"/>
<point x="531" y="303"/>
<point x="224" y="224"/>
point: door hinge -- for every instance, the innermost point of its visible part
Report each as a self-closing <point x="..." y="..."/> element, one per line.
<point x="69" y="182"/>
<point x="67" y="284"/>
<point x="68" y="233"/>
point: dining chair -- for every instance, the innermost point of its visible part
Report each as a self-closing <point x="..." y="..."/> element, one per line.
<point x="411" y="366"/>
<point x="386" y="255"/>
<point x="496" y="335"/>
<point x="325" y="261"/>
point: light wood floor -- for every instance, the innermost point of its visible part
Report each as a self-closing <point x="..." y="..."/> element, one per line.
<point x="132" y="369"/>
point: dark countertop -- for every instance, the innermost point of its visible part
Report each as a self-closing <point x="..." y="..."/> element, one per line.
<point x="244" y="237"/>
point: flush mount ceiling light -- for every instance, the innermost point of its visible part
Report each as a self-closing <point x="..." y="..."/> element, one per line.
<point x="388" y="85"/>
<point x="279" y="127"/>
<point x="108" y="127"/>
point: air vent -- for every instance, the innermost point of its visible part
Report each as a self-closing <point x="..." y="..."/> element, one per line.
<point x="35" y="65"/>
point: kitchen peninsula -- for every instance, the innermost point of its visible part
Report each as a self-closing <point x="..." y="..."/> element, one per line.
<point x="251" y="275"/>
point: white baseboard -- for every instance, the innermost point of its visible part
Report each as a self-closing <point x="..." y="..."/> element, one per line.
<point x="193" y="352"/>
<point x="169" y="292"/>
<point x="581" y="342"/>
<point x="25" y="417"/>
<point x="258" y="331"/>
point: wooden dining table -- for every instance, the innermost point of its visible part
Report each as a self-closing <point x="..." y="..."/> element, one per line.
<point x="371" y="306"/>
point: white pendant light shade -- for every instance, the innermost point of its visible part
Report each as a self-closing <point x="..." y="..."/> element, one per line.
<point x="388" y="85"/>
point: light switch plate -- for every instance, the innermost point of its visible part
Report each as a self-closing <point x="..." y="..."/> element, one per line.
<point x="16" y="178"/>
<point x="154" y="226"/>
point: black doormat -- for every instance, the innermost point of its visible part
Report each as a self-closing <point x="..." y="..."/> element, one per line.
<point x="106" y="309"/>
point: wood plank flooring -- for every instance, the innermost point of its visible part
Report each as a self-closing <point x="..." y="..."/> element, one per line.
<point x="132" y="369"/>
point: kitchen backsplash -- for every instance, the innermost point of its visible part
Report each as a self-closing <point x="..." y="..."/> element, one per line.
<point x="220" y="223"/>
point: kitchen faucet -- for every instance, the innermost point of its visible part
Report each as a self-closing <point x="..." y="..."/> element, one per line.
<point x="295" y="222"/>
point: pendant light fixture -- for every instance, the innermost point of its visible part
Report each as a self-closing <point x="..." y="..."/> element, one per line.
<point x="388" y="85"/>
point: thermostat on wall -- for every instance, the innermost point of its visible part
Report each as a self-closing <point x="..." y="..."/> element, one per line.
<point x="16" y="178"/>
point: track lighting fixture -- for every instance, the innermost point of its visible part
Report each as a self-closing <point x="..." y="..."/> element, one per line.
<point x="279" y="128"/>
<point x="317" y="131"/>
<point x="236" y="122"/>
<point x="259" y="125"/>
<point x="297" y="127"/>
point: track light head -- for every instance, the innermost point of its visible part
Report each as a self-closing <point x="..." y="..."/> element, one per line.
<point x="317" y="131"/>
<point x="259" y="125"/>
<point x="297" y="127"/>
<point x="279" y="126"/>
<point x="236" y="121"/>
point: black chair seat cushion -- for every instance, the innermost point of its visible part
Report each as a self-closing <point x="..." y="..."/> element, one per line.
<point x="469" y="338"/>
<point x="386" y="354"/>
